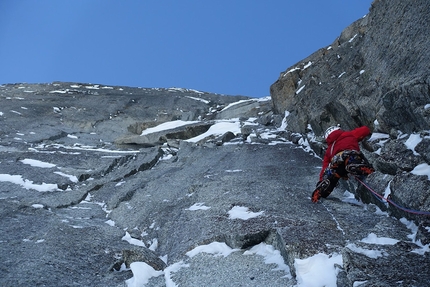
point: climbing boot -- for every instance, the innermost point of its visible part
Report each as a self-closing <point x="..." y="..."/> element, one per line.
<point x="321" y="188"/>
<point x="359" y="169"/>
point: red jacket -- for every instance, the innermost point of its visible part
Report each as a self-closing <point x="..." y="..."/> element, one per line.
<point x="340" y="140"/>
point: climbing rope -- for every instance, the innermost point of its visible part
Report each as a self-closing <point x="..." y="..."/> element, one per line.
<point x="390" y="201"/>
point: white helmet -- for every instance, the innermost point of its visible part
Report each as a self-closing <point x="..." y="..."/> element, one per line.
<point x="330" y="130"/>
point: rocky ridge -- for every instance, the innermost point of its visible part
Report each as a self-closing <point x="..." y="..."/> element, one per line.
<point x="376" y="74"/>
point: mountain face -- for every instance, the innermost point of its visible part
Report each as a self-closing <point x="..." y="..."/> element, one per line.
<point x="376" y="74"/>
<point x="115" y="186"/>
<point x="375" y="71"/>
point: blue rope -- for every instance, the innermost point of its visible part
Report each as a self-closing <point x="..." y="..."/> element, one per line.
<point x="388" y="199"/>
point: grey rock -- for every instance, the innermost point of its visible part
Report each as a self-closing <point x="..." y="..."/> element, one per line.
<point x="105" y="180"/>
<point x="143" y="255"/>
<point x="375" y="73"/>
<point x="376" y="69"/>
<point x="110" y="189"/>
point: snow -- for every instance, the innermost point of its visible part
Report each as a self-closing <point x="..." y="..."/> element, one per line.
<point x="422" y="169"/>
<point x="378" y="136"/>
<point x="198" y="99"/>
<point x="127" y="237"/>
<point x="307" y="65"/>
<point x="284" y="124"/>
<point x="219" y="128"/>
<point x="412" y="142"/>
<point x="59" y="91"/>
<point x="387" y="190"/>
<point x="290" y="71"/>
<point x="94" y="87"/>
<point x="299" y="90"/>
<point x="411" y="226"/>
<point x="78" y="147"/>
<point x="318" y="270"/>
<point x="372" y="238"/>
<point x="167" y="126"/>
<point x="142" y="272"/>
<point x="352" y="39"/>
<point x="367" y="252"/>
<point x="241" y="212"/>
<point x="198" y="206"/>
<point x="271" y="256"/>
<point x="37" y="163"/>
<point x="233" y="170"/>
<point x="173" y="268"/>
<point x="72" y="178"/>
<point x="214" y="248"/>
<point x="235" y="103"/>
<point x="28" y="184"/>
<point x="110" y="222"/>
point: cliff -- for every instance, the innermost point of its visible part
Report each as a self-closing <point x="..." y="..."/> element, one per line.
<point x="376" y="74"/>
<point x="115" y="186"/>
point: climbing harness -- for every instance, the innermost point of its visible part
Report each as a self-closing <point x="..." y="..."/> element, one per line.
<point x="389" y="200"/>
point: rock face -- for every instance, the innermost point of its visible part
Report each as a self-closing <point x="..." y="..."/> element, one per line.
<point x="376" y="74"/>
<point x="84" y="199"/>
<point x="109" y="186"/>
<point x="377" y="69"/>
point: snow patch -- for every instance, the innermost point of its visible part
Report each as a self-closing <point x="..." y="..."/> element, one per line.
<point x="219" y="128"/>
<point x="271" y="256"/>
<point x="241" y="212"/>
<point x="37" y="163"/>
<point x="167" y="126"/>
<point x="127" y="237"/>
<point x="412" y="142"/>
<point x="198" y="206"/>
<point x="142" y="272"/>
<point x="318" y="270"/>
<point x="28" y="184"/>
<point x="372" y="238"/>
<point x="367" y="252"/>
<point x="422" y="169"/>
<point x="214" y="248"/>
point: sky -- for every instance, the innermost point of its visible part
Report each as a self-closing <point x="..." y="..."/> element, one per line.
<point x="228" y="47"/>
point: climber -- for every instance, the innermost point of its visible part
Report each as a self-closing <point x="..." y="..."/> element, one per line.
<point x="342" y="157"/>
